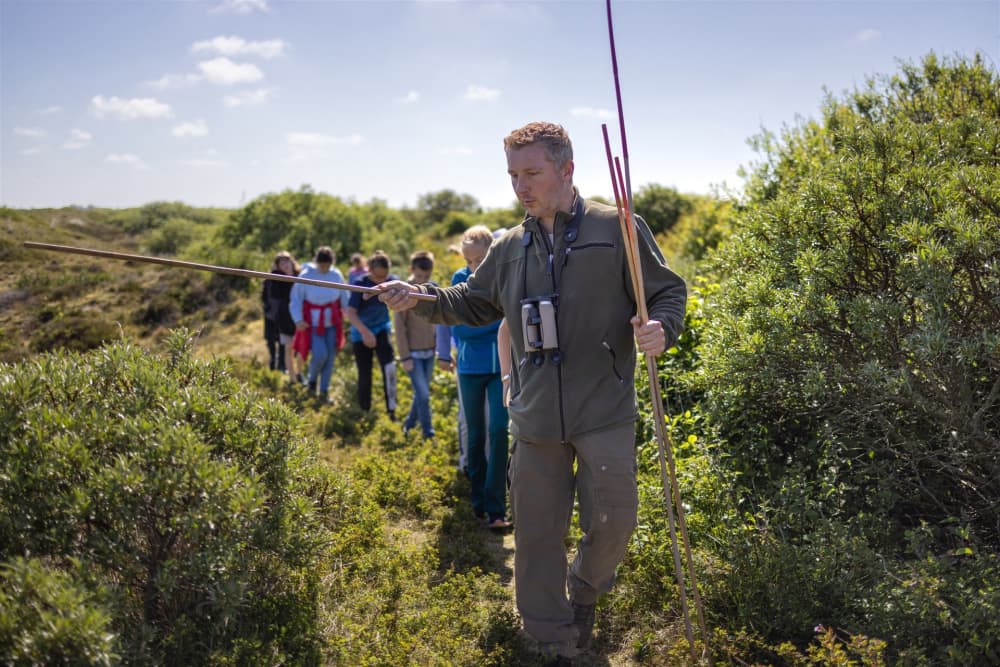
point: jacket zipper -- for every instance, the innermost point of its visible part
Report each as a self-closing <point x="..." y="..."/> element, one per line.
<point x="614" y="361"/>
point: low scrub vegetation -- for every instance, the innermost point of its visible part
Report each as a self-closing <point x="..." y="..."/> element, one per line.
<point x="833" y="407"/>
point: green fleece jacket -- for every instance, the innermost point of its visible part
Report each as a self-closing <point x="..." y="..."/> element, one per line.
<point x="591" y="385"/>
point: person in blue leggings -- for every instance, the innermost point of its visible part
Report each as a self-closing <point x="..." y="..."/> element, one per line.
<point x="480" y="384"/>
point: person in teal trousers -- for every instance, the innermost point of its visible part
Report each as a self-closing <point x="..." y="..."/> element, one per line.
<point x="480" y="383"/>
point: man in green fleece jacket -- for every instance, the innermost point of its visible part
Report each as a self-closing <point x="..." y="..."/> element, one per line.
<point x="572" y="387"/>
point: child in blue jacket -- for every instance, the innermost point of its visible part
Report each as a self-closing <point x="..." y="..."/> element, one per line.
<point x="479" y="381"/>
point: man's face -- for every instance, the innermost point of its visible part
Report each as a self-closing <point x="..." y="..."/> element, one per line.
<point x="539" y="184"/>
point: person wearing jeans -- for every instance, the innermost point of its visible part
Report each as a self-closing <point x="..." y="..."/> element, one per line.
<point x="415" y="342"/>
<point x="320" y="311"/>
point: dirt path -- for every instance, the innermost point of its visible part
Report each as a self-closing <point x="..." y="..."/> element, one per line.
<point x="502" y="553"/>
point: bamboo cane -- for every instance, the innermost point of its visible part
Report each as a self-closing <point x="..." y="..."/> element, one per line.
<point x="637" y="290"/>
<point x="246" y="273"/>
<point x="668" y="471"/>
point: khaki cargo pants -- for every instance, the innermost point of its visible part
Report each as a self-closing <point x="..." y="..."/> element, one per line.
<point x="542" y="486"/>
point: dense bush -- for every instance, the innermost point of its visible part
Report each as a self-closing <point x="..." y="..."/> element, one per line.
<point x="48" y="617"/>
<point x="172" y="236"/>
<point x="851" y="362"/>
<point x="190" y="505"/>
<point x="155" y="214"/>
<point x="661" y="206"/>
<point x="295" y="220"/>
<point x="76" y="331"/>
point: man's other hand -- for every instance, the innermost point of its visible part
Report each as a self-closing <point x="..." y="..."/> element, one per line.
<point x="649" y="336"/>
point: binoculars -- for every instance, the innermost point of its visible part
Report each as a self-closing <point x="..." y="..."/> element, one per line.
<point x="538" y="321"/>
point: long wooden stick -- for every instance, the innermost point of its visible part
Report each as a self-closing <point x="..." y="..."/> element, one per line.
<point x="668" y="471"/>
<point x="638" y="289"/>
<point x="246" y="273"/>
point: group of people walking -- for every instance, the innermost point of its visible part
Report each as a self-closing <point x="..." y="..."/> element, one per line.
<point x="305" y="326"/>
<point x="557" y="294"/>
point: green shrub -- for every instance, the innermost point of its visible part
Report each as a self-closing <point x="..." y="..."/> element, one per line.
<point x="661" y="207"/>
<point x="949" y="599"/>
<point x="155" y="214"/>
<point x="296" y="220"/>
<point x="855" y="336"/>
<point x="75" y="331"/>
<point x="172" y="236"/>
<point x="191" y="500"/>
<point x="49" y="617"/>
<point x="849" y="366"/>
<point x="455" y="222"/>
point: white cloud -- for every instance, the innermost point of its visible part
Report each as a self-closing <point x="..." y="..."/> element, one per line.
<point x="168" y="81"/>
<point x="204" y="162"/>
<point x="241" y="6"/>
<point x="455" y="150"/>
<point x="474" y="93"/>
<point x="306" y="145"/>
<point x="590" y="112"/>
<point x="247" y="98"/>
<point x="127" y="159"/>
<point x="236" y="46"/>
<point x="868" y="35"/>
<point x="77" y="139"/>
<point x="29" y="132"/>
<point x="316" y="140"/>
<point x="196" y="128"/>
<point x="34" y="150"/>
<point x="224" y="71"/>
<point x="411" y="97"/>
<point x="48" y="111"/>
<point x="145" y="107"/>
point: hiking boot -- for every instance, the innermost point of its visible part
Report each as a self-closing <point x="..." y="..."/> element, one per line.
<point x="497" y="522"/>
<point x="583" y="620"/>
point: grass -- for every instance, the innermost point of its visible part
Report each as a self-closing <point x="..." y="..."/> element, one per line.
<point x="427" y="563"/>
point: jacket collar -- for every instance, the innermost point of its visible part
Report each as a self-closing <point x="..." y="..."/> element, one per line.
<point x="567" y="223"/>
<point x="564" y="219"/>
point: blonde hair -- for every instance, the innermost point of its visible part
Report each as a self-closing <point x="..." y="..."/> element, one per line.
<point x="477" y="235"/>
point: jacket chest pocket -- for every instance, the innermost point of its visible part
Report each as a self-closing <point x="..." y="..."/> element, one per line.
<point x="588" y="265"/>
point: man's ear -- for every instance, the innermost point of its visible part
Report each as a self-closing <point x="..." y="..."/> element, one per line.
<point x="568" y="170"/>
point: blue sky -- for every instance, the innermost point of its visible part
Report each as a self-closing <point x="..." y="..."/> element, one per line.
<point x="215" y="102"/>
